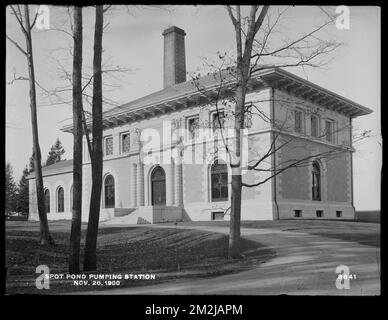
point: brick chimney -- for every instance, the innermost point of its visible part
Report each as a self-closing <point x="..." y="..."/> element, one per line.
<point x="174" y="65"/>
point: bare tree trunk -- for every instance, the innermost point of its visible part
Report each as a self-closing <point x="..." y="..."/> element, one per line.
<point x="90" y="258"/>
<point x="235" y="218"/>
<point x="45" y="237"/>
<point x="75" y="236"/>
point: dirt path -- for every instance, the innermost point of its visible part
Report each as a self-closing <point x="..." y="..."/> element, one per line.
<point x="304" y="264"/>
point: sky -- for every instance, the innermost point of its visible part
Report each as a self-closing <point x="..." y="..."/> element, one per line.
<point x="133" y="42"/>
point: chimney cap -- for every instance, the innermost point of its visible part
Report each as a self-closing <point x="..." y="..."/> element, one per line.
<point x="174" y="29"/>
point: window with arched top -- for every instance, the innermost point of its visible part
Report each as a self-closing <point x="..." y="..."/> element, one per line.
<point x="316" y="186"/>
<point x="109" y="192"/>
<point x="60" y="200"/>
<point x="219" y="181"/>
<point x="47" y="200"/>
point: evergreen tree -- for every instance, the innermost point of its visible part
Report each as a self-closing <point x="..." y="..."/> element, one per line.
<point x="23" y="193"/>
<point x="55" y="154"/>
<point x="10" y="189"/>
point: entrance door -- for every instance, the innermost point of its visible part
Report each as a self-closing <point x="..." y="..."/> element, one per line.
<point x="158" y="186"/>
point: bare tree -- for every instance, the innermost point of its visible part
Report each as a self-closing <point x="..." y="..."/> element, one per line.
<point x="26" y="26"/>
<point x="62" y="94"/>
<point x="243" y="63"/>
<point x="75" y="236"/>
<point x="90" y="257"/>
<point x="255" y="53"/>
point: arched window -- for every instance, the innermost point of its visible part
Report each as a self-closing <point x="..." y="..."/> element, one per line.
<point x="109" y="193"/>
<point x="158" y="186"/>
<point x="47" y="200"/>
<point x="219" y="181"/>
<point x="316" y="187"/>
<point x="71" y="197"/>
<point x="60" y="200"/>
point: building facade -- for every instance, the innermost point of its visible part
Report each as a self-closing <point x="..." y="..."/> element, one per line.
<point x="165" y="159"/>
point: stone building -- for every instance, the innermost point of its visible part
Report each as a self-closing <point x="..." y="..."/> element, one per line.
<point x="160" y="166"/>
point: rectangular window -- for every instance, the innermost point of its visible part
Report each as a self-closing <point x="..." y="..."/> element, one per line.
<point x="125" y="142"/>
<point x="319" y="213"/>
<point x="218" y="120"/>
<point x="217" y="215"/>
<point x="297" y="213"/>
<point x="298" y="121"/>
<point x="338" y="214"/>
<point x="329" y="131"/>
<point x="108" y="146"/>
<point x="193" y="126"/>
<point x="314" y="126"/>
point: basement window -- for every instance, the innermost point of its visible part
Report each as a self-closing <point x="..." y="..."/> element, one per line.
<point x="319" y="213"/>
<point x="217" y="215"/>
<point x="338" y="214"/>
<point x="297" y="213"/>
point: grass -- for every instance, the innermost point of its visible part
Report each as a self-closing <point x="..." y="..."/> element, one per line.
<point x="167" y="252"/>
<point x="170" y="253"/>
<point x="365" y="233"/>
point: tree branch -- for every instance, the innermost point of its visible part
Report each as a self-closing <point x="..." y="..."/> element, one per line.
<point x="19" y="18"/>
<point x="36" y="16"/>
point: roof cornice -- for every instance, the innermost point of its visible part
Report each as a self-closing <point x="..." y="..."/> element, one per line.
<point x="297" y="86"/>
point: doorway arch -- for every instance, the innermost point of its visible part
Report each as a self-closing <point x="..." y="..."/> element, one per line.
<point x="158" y="187"/>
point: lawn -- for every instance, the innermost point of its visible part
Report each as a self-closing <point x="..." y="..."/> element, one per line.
<point x="169" y="253"/>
